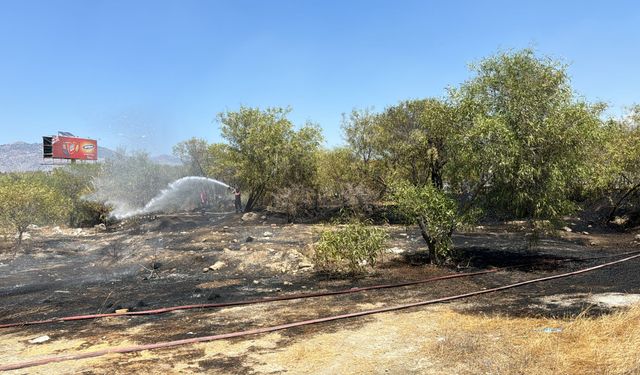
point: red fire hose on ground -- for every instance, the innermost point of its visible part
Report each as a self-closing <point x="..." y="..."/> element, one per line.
<point x="282" y="298"/>
<point x="247" y="302"/>
<point x="168" y="344"/>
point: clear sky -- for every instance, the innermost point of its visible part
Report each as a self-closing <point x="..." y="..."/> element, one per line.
<point x="147" y="74"/>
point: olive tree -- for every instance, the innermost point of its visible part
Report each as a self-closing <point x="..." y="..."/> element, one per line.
<point x="194" y="153"/>
<point x="529" y="140"/>
<point x="27" y="199"/>
<point x="263" y="152"/>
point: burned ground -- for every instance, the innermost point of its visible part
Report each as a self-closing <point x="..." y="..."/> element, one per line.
<point x="159" y="261"/>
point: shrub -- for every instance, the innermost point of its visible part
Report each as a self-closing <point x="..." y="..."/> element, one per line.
<point x="294" y="201"/>
<point x="351" y="248"/>
<point x="26" y="199"/>
<point x="434" y="212"/>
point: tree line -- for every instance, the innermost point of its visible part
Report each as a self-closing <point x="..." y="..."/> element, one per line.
<point x="513" y="141"/>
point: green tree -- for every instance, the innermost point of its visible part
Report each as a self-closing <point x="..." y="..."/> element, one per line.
<point x="359" y="129"/>
<point x="529" y="141"/>
<point x="263" y="152"/>
<point x="620" y="173"/>
<point x="414" y="139"/>
<point x="194" y="153"/>
<point x="433" y="211"/>
<point x="26" y="199"/>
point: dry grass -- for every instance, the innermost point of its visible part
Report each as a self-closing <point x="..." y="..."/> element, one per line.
<point x="435" y="340"/>
<point x="497" y="345"/>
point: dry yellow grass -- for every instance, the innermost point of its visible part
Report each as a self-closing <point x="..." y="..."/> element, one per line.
<point x="497" y="345"/>
<point x="435" y="340"/>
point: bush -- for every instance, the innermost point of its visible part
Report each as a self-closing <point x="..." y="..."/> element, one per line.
<point x="352" y="248"/>
<point x="294" y="201"/>
<point x="25" y="199"/>
<point x="434" y="212"/>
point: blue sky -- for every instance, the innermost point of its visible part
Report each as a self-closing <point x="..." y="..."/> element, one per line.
<point x="147" y="74"/>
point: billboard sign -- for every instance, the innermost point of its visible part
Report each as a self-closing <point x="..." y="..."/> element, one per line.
<point x="75" y="148"/>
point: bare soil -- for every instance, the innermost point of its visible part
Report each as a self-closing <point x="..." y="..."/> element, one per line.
<point x="159" y="261"/>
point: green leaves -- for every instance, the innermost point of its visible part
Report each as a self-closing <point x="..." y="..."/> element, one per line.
<point x="430" y="208"/>
<point x="530" y="138"/>
<point x="263" y="151"/>
<point x="26" y="199"/>
<point x="352" y="247"/>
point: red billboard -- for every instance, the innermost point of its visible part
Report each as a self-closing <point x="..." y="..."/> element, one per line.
<point x="63" y="147"/>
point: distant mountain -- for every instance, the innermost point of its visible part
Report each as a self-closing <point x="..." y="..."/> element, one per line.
<point x="23" y="157"/>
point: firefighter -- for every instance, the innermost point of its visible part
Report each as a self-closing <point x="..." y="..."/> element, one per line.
<point x="238" y="199"/>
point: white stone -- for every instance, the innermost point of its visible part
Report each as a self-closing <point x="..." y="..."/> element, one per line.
<point x="395" y="250"/>
<point x="217" y="265"/>
<point x="40" y="339"/>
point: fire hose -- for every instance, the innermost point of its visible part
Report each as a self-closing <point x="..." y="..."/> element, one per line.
<point x="280" y="298"/>
<point x="168" y="344"/>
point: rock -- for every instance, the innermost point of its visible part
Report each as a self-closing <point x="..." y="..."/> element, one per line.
<point x="395" y="250"/>
<point x="637" y="237"/>
<point x="225" y="228"/>
<point x="567" y="229"/>
<point x="217" y="265"/>
<point x="263" y="217"/>
<point x="25" y="236"/>
<point x="267" y="234"/>
<point x="122" y="311"/>
<point x="204" y="240"/>
<point x="305" y="264"/>
<point x="100" y="226"/>
<point x="206" y="269"/>
<point x="585" y="233"/>
<point x="32" y="227"/>
<point x="40" y="339"/>
<point x="620" y="220"/>
<point x="287" y="283"/>
<point x="274" y="225"/>
<point x="226" y="249"/>
<point x="593" y="243"/>
<point x="250" y="216"/>
<point x="235" y="240"/>
<point x="249" y="239"/>
<point x="57" y="230"/>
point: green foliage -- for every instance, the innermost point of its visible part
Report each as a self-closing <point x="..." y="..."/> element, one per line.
<point x="414" y="139"/>
<point x="75" y="182"/>
<point x="433" y="211"/>
<point x="27" y="199"/>
<point x="619" y="173"/>
<point x="352" y="247"/>
<point x="529" y="141"/>
<point x="360" y="128"/>
<point x="194" y="153"/>
<point x="263" y="152"/>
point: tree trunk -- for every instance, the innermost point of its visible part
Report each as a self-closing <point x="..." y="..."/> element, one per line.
<point x="18" y="241"/>
<point x="436" y="178"/>
<point x="431" y="244"/>
<point x="617" y="205"/>
<point x="254" y="197"/>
